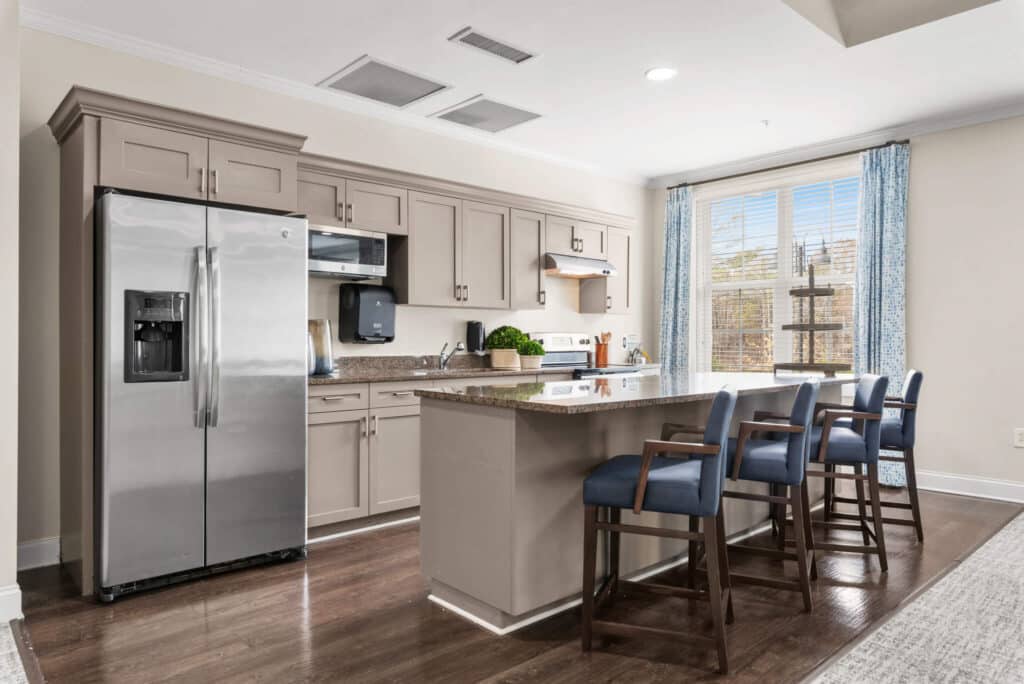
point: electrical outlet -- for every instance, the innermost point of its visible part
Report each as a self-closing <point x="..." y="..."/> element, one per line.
<point x="1018" y="438"/>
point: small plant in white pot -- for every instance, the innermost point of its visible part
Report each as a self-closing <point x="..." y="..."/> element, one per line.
<point x="531" y="353"/>
<point x="503" y="343"/>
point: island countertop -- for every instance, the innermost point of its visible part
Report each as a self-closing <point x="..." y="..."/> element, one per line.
<point x="617" y="392"/>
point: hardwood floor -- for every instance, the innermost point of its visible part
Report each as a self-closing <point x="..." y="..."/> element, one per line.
<point x="356" y="610"/>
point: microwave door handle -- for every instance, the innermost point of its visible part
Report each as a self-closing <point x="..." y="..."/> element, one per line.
<point x="200" y="317"/>
<point x="214" y="336"/>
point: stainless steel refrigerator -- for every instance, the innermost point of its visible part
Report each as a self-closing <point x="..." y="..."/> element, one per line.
<point x="201" y="389"/>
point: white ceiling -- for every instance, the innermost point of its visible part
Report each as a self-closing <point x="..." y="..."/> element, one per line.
<point x="739" y="61"/>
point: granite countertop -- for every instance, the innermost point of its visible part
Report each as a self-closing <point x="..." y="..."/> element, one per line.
<point x="612" y="392"/>
<point x="385" y="374"/>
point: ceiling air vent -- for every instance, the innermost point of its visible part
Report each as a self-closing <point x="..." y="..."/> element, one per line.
<point x="373" y="79"/>
<point x="485" y="114"/>
<point x="474" y="39"/>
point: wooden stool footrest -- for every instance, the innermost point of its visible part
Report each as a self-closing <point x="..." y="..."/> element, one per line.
<point x="627" y="630"/>
<point x="763" y="551"/>
<point x="847" y="548"/>
<point x="772" y="582"/>
<point x="663" y="590"/>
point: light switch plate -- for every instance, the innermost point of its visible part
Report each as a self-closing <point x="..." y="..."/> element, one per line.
<point x="1018" y="438"/>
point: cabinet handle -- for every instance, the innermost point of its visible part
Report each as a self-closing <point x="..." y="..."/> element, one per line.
<point x="337" y="397"/>
<point x="375" y="424"/>
<point x="202" y="180"/>
<point x="215" y="177"/>
<point x="362" y="421"/>
<point x="542" y="297"/>
<point x="581" y="245"/>
<point x="458" y="293"/>
<point x="608" y="302"/>
<point x="404" y="393"/>
<point x="465" y="293"/>
<point x="351" y="214"/>
<point x="340" y="213"/>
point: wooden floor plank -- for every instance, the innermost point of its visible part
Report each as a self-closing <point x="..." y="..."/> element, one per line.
<point x="356" y="610"/>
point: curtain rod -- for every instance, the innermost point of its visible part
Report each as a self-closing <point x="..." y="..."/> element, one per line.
<point x="791" y="164"/>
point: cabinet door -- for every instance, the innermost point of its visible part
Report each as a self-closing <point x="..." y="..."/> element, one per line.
<point x="486" y="244"/>
<point x="394" y="458"/>
<point x="527" y="269"/>
<point x="559" y="236"/>
<point x="619" y="255"/>
<point x="380" y="208"/>
<point x="137" y="157"/>
<point x="591" y="240"/>
<point x="338" y="467"/>
<point x="252" y="177"/>
<point x="321" y="198"/>
<point x="434" y="250"/>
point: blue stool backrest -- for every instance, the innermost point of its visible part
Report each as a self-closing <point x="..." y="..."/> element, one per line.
<point x="716" y="431"/>
<point x="908" y="419"/>
<point x="869" y="397"/>
<point x="800" y="442"/>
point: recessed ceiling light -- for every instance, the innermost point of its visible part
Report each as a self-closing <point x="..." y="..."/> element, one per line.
<point x="660" y="73"/>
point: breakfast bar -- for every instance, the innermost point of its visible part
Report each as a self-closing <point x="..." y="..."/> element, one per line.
<point x="502" y="475"/>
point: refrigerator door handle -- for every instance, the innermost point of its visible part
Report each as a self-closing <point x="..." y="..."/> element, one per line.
<point x="201" y="318"/>
<point x="214" y="336"/>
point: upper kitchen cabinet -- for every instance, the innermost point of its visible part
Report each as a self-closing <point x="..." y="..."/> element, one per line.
<point x="612" y="294"/>
<point x="426" y="268"/>
<point x="252" y="177"/>
<point x="485" y="256"/>
<point x="332" y="200"/>
<point x="529" y="240"/>
<point x="574" y="237"/>
<point x="152" y="159"/>
<point x="150" y="148"/>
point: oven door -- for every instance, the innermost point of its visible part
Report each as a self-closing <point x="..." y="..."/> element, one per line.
<point x="347" y="252"/>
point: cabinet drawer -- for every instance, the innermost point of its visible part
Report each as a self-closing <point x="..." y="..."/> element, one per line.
<point x="384" y="394"/>
<point x="338" y="397"/>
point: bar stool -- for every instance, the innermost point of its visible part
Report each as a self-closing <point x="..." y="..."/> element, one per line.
<point x="833" y="445"/>
<point x="682" y="478"/>
<point x="779" y="462"/>
<point x="898" y="434"/>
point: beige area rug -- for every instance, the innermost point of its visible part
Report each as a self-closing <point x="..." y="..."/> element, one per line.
<point x="11" y="669"/>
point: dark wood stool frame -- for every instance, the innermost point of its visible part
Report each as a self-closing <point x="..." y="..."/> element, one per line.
<point x="778" y="499"/>
<point x="711" y="534"/>
<point x="875" y="531"/>
<point x="908" y="464"/>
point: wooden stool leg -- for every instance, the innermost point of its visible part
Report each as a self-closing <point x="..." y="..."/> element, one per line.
<point x="830" y="490"/>
<point x="862" y="508"/>
<point x="911" y="468"/>
<point x="691" y="555"/>
<point x="723" y="554"/>
<point x="589" y="568"/>
<point x="796" y="501"/>
<point x="614" y="517"/>
<point x="876" y="509"/>
<point x="808" y="528"/>
<point x="711" y="543"/>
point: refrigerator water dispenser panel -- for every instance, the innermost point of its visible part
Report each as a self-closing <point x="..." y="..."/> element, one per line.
<point x="156" y="334"/>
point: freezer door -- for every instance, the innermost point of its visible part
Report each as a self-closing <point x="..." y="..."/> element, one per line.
<point x="256" y="437"/>
<point x="149" y="456"/>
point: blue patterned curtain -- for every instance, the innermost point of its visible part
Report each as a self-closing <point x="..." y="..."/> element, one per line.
<point x="879" y="329"/>
<point x="675" y="293"/>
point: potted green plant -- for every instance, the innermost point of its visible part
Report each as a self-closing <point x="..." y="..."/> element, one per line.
<point x="531" y="353"/>
<point x="503" y="343"/>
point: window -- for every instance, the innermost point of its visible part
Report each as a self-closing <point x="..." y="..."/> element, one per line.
<point x="756" y="239"/>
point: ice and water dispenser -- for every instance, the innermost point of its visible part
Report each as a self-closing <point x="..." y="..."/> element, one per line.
<point x="156" y="333"/>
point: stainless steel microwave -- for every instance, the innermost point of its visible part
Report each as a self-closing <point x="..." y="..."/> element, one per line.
<point x="347" y="252"/>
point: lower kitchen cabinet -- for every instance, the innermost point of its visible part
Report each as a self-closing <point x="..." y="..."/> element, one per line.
<point x="338" y="466"/>
<point x="394" y="458"/>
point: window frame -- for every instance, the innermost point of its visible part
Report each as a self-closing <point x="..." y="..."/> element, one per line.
<point x="781" y="181"/>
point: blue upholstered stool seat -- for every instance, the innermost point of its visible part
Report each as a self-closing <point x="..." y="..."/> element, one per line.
<point x="892" y="431"/>
<point x="844" y="446"/>
<point x="764" y="460"/>
<point x="673" y="485"/>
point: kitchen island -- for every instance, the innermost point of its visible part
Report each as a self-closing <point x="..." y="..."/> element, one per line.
<point x="502" y="478"/>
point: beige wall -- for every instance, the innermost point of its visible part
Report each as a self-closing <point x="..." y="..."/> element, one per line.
<point x="50" y="65"/>
<point x="965" y="317"/>
<point x="10" y="601"/>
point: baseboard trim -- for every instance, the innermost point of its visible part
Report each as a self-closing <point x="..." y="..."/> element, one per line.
<point x="38" y="553"/>
<point x="981" y="487"/>
<point x="10" y="603"/>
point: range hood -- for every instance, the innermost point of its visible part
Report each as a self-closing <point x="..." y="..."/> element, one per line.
<point x="565" y="266"/>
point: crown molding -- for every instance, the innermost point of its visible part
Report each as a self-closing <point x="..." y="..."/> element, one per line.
<point x="842" y="145"/>
<point x="118" y="42"/>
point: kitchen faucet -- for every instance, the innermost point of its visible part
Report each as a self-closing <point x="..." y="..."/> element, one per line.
<point x="444" y="358"/>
